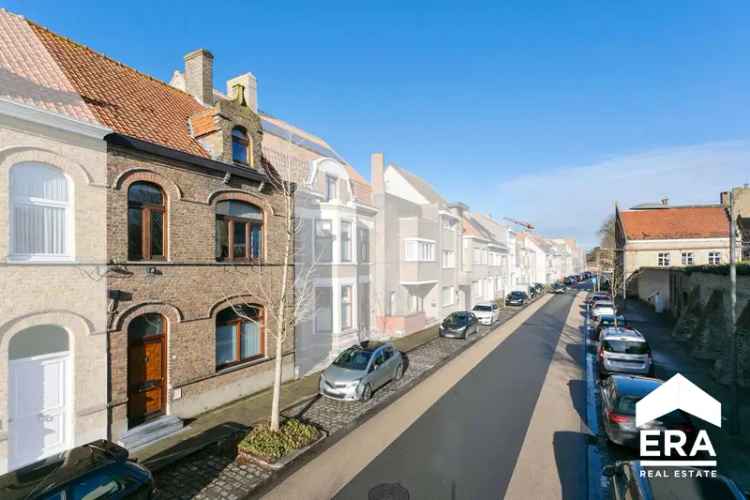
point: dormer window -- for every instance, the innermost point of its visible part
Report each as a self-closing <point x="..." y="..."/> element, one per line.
<point x="241" y="146"/>
<point x="331" y="188"/>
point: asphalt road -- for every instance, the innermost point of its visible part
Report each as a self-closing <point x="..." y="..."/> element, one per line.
<point x="467" y="444"/>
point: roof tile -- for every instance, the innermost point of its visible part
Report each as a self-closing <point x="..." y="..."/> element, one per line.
<point x="675" y="223"/>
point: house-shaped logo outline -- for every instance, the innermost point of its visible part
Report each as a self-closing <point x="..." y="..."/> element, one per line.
<point x="678" y="393"/>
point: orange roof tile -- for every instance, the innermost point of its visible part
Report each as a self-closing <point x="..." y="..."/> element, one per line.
<point x="675" y="223"/>
<point x="123" y="99"/>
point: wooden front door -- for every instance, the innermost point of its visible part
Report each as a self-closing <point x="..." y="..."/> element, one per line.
<point x="146" y="375"/>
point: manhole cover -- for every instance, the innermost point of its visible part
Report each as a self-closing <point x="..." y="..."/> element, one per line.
<point x="388" y="491"/>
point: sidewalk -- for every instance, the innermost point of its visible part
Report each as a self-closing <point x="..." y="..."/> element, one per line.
<point x="245" y="412"/>
<point x="670" y="357"/>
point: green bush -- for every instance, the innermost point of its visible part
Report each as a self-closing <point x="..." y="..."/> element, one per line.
<point x="271" y="446"/>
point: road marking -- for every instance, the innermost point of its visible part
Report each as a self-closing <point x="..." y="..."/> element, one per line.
<point x="325" y="475"/>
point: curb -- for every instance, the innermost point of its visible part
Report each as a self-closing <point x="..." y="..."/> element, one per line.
<point x="593" y="458"/>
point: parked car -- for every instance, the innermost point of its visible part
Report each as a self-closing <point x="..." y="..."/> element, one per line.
<point x="623" y="350"/>
<point x="619" y="394"/>
<point x="606" y="321"/>
<point x="532" y="292"/>
<point x="99" y="469"/>
<point x="360" y="370"/>
<point x="558" y="288"/>
<point x="486" y="313"/>
<point x="598" y="296"/>
<point x="628" y="482"/>
<point x="516" y="298"/>
<point x="538" y="287"/>
<point x="601" y="308"/>
<point x="459" y="324"/>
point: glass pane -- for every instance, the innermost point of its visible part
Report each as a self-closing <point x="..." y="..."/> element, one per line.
<point x="39" y="229"/>
<point x="239" y="209"/>
<point x="226" y="347"/>
<point x="249" y="339"/>
<point x="135" y="233"/>
<point x="146" y="325"/>
<point x="239" y="240"/>
<point x="39" y="181"/>
<point x="222" y="239"/>
<point x="38" y="340"/>
<point x="256" y="238"/>
<point x="239" y="150"/>
<point x="324" y="309"/>
<point x="157" y="233"/>
<point x="143" y="192"/>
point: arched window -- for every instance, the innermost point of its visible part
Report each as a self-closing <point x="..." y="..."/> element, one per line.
<point x="240" y="335"/>
<point x="239" y="231"/>
<point x="147" y="235"/>
<point x="41" y="215"/>
<point x="241" y="150"/>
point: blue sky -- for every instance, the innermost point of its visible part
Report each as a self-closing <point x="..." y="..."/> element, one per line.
<point x="503" y="105"/>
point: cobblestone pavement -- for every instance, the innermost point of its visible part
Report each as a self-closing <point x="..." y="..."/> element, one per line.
<point x="213" y="474"/>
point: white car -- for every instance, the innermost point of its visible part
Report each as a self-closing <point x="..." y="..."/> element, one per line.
<point x="486" y="313"/>
<point x="602" y="307"/>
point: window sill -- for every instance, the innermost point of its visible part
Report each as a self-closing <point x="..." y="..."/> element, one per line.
<point x="40" y="259"/>
<point x="242" y="365"/>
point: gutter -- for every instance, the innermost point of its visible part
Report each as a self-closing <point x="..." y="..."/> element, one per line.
<point x="122" y="140"/>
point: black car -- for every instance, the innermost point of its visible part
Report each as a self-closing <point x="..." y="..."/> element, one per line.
<point x="516" y="298"/>
<point x="628" y="480"/>
<point x="533" y="292"/>
<point x="538" y="287"/>
<point x="619" y="394"/>
<point x="459" y="324"/>
<point x="100" y="469"/>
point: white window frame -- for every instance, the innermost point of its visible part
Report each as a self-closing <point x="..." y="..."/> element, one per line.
<point x="331" y="194"/>
<point x="688" y="258"/>
<point x="419" y="250"/>
<point x="663" y="259"/>
<point x="449" y="259"/>
<point x="348" y="247"/>
<point x="69" y="217"/>
<point x="347" y="316"/>
<point x="416" y="303"/>
<point x="317" y="309"/>
<point x="451" y="296"/>
<point x="714" y="258"/>
<point x="316" y="253"/>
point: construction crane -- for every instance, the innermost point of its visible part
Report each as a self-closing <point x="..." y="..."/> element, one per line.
<point x="521" y="223"/>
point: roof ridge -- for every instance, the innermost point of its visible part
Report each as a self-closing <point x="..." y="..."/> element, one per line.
<point x="108" y="58"/>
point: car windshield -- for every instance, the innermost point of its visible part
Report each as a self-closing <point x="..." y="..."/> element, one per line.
<point x="353" y="359"/>
<point x="516" y="295"/>
<point x="482" y="308"/>
<point x="626" y="347"/>
<point x="457" y="319"/>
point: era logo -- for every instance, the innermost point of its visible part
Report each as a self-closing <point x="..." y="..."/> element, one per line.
<point x="677" y="393"/>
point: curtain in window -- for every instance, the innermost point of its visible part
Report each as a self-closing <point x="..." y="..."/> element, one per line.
<point x="249" y="339"/>
<point x="226" y="347"/>
<point x="40" y="206"/>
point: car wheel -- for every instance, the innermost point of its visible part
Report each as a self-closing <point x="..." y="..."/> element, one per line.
<point x="399" y="372"/>
<point x="367" y="393"/>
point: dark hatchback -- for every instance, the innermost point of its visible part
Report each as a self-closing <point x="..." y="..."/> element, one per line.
<point x="516" y="298"/>
<point x="459" y="324"/>
<point x="619" y="394"/>
<point x="100" y="469"/>
<point x="606" y="321"/>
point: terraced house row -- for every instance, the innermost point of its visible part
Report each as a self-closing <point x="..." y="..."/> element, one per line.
<point x="146" y="230"/>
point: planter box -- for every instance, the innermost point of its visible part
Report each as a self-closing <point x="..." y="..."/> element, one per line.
<point x="244" y="457"/>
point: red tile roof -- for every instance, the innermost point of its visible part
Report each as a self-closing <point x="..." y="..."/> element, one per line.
<point x="675" y="223"/>
<point x="123" y="99"/>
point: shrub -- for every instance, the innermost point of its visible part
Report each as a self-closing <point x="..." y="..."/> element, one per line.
<point x="271" y="446"/>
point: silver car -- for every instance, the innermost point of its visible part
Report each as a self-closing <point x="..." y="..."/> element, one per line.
<point x="624" y="350"/>
<point x="361" y="370"/>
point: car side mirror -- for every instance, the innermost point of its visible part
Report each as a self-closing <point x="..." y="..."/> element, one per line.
<point x="609" y="471"/>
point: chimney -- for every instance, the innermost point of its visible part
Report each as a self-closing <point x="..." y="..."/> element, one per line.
<point x="199" y="76"/>
<point x="376" y="172"/>
<point x="665" y="201"/>
<point x="250" y="86"/>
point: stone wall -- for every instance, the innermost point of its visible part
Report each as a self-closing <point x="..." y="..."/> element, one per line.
<point x="700" y="302"/>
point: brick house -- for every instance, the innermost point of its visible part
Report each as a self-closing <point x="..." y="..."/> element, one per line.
<point x="195" y="234"/>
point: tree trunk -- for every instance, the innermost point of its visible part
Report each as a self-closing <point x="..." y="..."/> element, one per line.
<point x="275" y="403"/>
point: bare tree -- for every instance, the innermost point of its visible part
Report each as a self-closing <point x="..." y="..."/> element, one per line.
<point x="289" y="297"/>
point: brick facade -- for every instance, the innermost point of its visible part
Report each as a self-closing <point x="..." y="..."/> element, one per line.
<point x="190" y="287"/>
